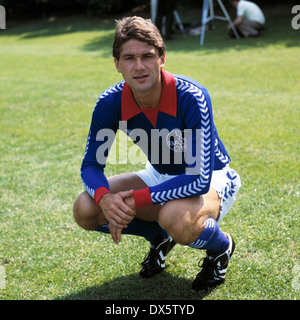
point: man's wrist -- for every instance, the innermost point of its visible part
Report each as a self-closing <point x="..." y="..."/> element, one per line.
<point x="142" y="198"/>
<point x="99" y="193"/>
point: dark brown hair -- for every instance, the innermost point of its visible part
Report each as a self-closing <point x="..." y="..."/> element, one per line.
<point x="140" y="29"/>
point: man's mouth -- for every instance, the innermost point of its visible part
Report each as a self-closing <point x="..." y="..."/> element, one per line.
<point x="140" y="77"/>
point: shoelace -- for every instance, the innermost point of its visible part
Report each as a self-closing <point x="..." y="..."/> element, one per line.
<point x="149" y="256"/>
<point x="208" y="267"/>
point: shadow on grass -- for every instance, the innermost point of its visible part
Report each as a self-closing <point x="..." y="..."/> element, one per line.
<point x="278" y="31"/>
<point x="57" y="26"/>
<point x="215" y="41"/>
<point x="132" y="287"/>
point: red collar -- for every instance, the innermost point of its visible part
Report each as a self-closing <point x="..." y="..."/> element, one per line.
<point x="167" y="102"/>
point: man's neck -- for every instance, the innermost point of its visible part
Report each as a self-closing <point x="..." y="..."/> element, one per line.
<point x="149" y="99"/>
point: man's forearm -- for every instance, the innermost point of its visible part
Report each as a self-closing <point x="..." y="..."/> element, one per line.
<point x="237" y="21"/>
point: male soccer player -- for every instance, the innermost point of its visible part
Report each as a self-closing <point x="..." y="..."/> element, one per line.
<point x="183" y="193"/>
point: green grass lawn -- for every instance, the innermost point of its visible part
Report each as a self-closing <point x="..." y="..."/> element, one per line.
<point x="52" y="73"/>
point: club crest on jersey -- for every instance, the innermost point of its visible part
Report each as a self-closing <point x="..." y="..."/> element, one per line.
<point x="176" y="141"/>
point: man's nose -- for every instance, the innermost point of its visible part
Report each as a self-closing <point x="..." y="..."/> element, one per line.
<point x="139" y="63"/>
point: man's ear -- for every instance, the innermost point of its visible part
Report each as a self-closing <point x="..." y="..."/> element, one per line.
<point x="163" y="60"/>
<point x="117" y="64"/>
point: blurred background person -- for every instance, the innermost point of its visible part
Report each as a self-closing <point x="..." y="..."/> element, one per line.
<point x="165" y="8"/>
<point x="250" y="18"/>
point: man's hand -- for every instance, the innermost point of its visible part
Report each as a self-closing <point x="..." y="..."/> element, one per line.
<point x="119" y="210"/>
<point x="115" y="231"/>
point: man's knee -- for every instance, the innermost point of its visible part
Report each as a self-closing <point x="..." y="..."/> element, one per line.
<point x="86" y="212"/>
<point x="183" y="225"/>
<point x="79" y="207"/>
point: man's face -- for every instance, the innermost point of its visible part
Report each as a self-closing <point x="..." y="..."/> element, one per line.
<point x="234" y="3"/>
<point x="140" y="65"/>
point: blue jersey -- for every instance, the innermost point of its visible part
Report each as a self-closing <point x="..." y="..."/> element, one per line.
<point x="182" y="124"/>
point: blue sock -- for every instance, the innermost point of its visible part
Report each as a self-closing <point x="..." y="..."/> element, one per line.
<point x="138" y="227"/>
<point x="211" y="238"/>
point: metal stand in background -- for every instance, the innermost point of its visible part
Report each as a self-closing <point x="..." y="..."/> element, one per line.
<point x="179" y="22"/>
<point x="208" y="5"/>
<point x="153" y="10"/>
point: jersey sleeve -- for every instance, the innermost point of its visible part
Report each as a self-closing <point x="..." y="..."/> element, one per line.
<point x="198" y="118"/>
<point x="100" y="139"/>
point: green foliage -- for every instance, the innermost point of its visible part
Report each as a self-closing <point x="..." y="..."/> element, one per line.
<point x="52" y="73"/>
<point x="45" y="8"/>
